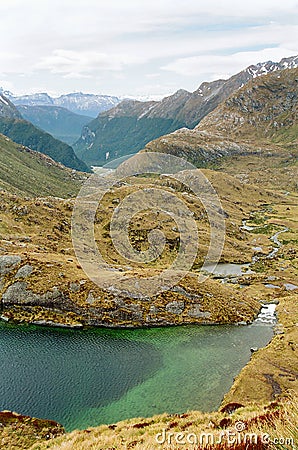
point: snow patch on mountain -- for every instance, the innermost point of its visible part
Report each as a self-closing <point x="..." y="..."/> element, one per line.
<point x="2" y="99"/>
<point x="269" y="66"/>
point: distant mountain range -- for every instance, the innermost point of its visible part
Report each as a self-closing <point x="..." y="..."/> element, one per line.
<point x="85" y="104"/>
<point x="25" y="133"/>
<point x="59" y="122"/>
<point x="130" y="125"/>
<point x="123" y="129"/>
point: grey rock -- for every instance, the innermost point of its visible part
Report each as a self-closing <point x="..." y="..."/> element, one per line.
<point x="119" y="302"/>
<point x="24" y="271"/>
<point x="130" y="313"/>
<point x="290" y="286"/>
<point x="271" y="286"/>
<point x="56" y="324"/>
<point x="17" y="293"/>
<point x="189" y="295"/>
<point x="4" y="318"/>
<point x="153" y="310"/>
<point x="196" y="312"/>
<point x="48" y="205"/>
<point x="175" y="307"/>
<point x="271" y="278"/>
<point x="74" y="287"/>
<point x="90" y="299"/>
<point x="8" y="263"/>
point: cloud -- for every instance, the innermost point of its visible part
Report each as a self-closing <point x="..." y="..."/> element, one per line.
<point x="78" y="62"/>
<point x="119" y="44"/>
<point x="223" y="66"/>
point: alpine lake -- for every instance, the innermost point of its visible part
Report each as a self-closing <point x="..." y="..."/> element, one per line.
<point x="84" y="378"/>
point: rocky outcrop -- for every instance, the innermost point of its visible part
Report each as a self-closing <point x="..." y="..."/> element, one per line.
<point x="80" y="303"/>
<point x="8" y="263"/>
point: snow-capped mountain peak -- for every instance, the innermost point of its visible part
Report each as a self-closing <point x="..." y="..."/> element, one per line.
<point x="269" y="66"/>
<point x="77" y="102"/>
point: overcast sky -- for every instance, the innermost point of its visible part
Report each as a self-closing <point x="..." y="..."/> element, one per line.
<point x="138" y="47"/>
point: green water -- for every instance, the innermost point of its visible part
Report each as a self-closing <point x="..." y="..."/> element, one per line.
<point x="85" y="378"/>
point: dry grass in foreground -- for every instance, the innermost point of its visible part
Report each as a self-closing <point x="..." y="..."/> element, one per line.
<point x="272" y="426"/>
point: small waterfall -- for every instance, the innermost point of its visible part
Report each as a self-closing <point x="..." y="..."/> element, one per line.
<point x="267" y="315"/>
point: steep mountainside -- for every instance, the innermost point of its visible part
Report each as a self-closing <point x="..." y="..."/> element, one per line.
<point x="128" y="127"/>
<point x="30" y="173"/>
<point x="59" y="122"/>
<point x="89" y="105"/>
<point x="25" y="133"/>
<point x="265" y="108"/>
<point x="261" y="117"/>
<point x="7" y="109"/>
<point x="121" y="131"/>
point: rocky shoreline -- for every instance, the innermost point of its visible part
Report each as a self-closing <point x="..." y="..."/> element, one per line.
<point x="78" y="303"/>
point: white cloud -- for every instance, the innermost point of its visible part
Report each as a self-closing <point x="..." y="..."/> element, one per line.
<point x="223" y="66"/>
<point x="71" y="62"/>
<point x="117" y="44"/>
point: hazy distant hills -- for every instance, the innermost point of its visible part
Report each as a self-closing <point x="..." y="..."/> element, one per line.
<point x="25" y="133"/>
<point x="59" y="122"/>
<point x="89" y="105"/>
<point x="260" y="115"/>
<point x="129" y="126"/>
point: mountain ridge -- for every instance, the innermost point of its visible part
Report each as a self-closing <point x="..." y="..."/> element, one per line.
<point x="25" y="133"/>
<point x="7" y="108"/>
<point x="130" y="125"/>
<point x="77" y="102"/>
<point x="260" y="117"/>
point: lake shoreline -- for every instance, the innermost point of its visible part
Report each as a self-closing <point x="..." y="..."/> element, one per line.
<point x="50" y="324"/>
<point x="187" y="347"/>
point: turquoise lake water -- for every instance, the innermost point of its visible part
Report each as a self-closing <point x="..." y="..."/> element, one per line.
<point x="84" y="378"/>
